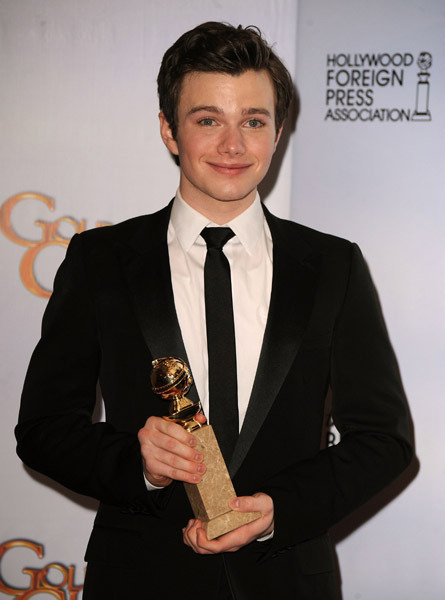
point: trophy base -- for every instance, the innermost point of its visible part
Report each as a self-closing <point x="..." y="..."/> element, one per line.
<point x="210" y="497"/>
<point x="228" y="522"/>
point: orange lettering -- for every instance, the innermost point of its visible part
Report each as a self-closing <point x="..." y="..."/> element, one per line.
<point x="37" y="548"/>
<point x="39" y="581"/>
<point x="50" y="236"/>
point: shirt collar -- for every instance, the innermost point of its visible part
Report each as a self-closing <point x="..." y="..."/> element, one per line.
<point x="188" y="224"/>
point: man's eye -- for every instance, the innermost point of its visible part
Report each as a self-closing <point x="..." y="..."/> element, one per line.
<point x="254" y="123"/>
<point x="207" y="121"/>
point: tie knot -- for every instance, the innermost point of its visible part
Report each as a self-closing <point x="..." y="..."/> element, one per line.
<point x="216" y="237"/>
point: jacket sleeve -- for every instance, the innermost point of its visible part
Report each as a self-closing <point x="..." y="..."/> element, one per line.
<point x="369" y="410"/>
<point x="55" y="432"/>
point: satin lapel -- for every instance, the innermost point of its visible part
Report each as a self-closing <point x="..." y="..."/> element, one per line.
<point x="293" y="287"/>
<point x="146" y="264"/>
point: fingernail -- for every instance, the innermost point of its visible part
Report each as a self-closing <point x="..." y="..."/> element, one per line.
<point x="192" y="442"/>
<point x="234" y="503"/>
<point x="196" y="478"/>
<point x="201" y="469"/>
<point x="198" y="457"/>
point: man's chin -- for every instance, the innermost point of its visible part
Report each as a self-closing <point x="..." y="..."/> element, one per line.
<point x="235" y="196"/>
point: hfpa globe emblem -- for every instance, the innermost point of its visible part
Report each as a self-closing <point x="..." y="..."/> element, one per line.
<point x="422" y="111"/>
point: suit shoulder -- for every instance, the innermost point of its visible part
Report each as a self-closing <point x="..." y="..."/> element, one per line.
<point x="315" y="241"/>
<point x="113" y="232"/>
<point x="319" y="236"/>
<point x="143" y="226"/>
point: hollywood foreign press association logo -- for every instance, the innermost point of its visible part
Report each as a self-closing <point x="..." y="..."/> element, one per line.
<point x="377" y="87"/>
<point x="422" y="111"/>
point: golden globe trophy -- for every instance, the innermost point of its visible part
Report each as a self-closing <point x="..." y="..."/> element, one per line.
<point x="171" y="379"/>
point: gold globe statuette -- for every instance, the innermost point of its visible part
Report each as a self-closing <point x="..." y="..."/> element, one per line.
<point x="171" y="379"/>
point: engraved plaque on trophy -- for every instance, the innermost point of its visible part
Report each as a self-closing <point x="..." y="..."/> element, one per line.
<point x="171" y="379"/>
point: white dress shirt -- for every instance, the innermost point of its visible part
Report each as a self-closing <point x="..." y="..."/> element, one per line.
<point x="250" y="256"/>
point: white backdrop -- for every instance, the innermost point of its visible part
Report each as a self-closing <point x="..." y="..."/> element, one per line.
<point x="381" y="183"/>
<point x="78" y="123"/>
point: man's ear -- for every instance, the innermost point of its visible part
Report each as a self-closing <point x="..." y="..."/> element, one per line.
<point x="277" y="137"/>
<point x="166" y="134"/>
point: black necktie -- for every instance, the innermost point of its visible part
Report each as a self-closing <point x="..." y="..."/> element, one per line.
<point x="223" y="397"/>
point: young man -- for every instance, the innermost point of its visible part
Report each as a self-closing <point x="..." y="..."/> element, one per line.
<point x="306" y="319"/>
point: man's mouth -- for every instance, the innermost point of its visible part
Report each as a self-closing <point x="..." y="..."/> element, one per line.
<point x="231" y="169"/>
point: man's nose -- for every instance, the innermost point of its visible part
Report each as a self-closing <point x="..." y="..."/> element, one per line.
<point x="232" y="142"/>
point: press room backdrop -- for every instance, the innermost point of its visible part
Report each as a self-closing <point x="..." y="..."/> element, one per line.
<point x="79" y="148"/>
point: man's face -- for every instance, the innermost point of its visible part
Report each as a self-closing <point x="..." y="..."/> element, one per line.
<point x="225" y="138"/>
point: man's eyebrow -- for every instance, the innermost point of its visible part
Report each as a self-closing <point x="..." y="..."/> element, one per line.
<point x="257" y="111"/>
<point x="206" y="108"/>
<point x="217" y="110"/>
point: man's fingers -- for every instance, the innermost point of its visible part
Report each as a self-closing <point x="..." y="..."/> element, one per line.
<point x="173" y="454"/>
<point x="168" y="452"/>
<point x="230" y="542"/>
<point x="192" y="533"/>
<point x="195" y="536"/>
<point x="155" y="427"/>
<point x="256" y="503"/>
<point x="170" y="444"/>
<point x="162" y="463"/>
<point x="171" y="465"/>
<point x="201" y="418"/>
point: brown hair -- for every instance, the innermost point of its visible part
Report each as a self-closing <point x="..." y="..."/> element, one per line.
<point x="221" y="48"/>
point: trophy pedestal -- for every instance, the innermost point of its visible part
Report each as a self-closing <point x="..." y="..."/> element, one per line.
<point x="210" y="498"/>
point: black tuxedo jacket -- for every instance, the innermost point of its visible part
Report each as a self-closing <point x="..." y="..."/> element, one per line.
<point x="112" y="312"/>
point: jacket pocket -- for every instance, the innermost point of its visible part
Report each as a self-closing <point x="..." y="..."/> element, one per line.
<point x="315" y="556"/>
<point x="115" y="545"/>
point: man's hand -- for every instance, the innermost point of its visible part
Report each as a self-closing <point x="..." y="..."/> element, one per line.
<point x="195" y="536"/>
<point x="168" y="452"/>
